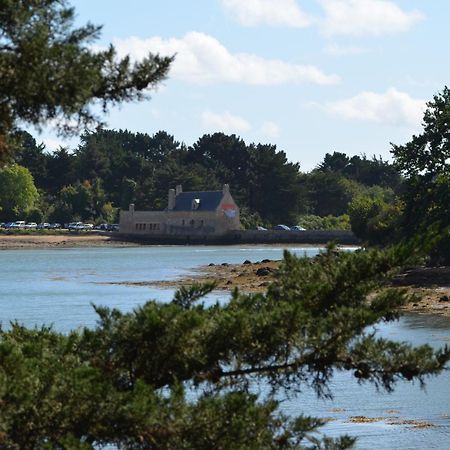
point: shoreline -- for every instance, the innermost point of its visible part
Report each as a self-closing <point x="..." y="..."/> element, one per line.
<point x="62" y="240"/>
<point x="432" y="286"/>
<point x="71" y="240"/>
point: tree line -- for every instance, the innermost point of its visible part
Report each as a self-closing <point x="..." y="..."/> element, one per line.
<point x="112" y="168"/>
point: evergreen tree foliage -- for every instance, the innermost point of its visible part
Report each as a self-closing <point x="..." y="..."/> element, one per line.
<point x="369" y="172"/>
<point x="49" y="71"/>
<point x="425" y="162"/>
<point x="140" y="168"/>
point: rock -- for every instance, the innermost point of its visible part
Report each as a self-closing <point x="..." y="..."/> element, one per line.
<point x="225" y="264"/>
<point x="265" y="261"/>
<point x="263" y="272"/>
<point x="211" y="264"/>
<point x="264" y="283"/>
<point x="247" y="262"/>
<point x="444" y="298"/>
<point x="234" y="270"/>
<point x="229" y="282"/>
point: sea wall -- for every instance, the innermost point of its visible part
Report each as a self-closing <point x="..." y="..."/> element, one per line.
<point x="295" y="237"/>
<point x="249" y="237"/>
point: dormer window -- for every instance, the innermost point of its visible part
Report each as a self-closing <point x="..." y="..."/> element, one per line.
<point x="195" y="204"/>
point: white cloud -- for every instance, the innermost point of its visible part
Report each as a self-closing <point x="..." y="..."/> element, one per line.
<point x="200" y="58"/>
<point x="391" y="108"/>
<point x="270" y="129"/>
<point x="339" y="50"/>
<point x="226" y="122"/>
<point x="269" y="12"/>
<point x="366" y="17"/>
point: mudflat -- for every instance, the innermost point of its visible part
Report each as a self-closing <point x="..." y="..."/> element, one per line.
<point x="431" y="286"/>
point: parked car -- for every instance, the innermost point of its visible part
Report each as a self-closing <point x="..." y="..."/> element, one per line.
<point x="298" y="228"/>
<point x="76" y="226"/>
<point x="43" y="226"/>
<point x="102" y="226"/>
<point x="18" y="224"/>
<point x="281" y="227"/>
<point x="261" y="228"/>
<point x="31" y="225"/>
<point x="54" y="226"/>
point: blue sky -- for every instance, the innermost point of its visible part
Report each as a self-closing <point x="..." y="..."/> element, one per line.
<point x="311" y="76"/>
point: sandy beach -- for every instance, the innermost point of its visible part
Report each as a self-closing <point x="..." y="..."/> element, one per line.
<point x="33" y="241"/>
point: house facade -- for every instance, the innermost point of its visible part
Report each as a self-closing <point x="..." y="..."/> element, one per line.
<point x="188" y="215"/>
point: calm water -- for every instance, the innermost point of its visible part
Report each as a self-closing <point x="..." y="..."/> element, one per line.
<point x="57" y="286"/>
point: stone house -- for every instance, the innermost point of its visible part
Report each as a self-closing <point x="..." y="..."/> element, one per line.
<point x="198" y="214"/>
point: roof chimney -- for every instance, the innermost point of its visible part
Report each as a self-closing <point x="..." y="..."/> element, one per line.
<point x="171" y="202"/>
<point x="178" y="189"/>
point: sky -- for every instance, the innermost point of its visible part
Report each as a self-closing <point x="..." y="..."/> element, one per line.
<point x="310" y="76"/>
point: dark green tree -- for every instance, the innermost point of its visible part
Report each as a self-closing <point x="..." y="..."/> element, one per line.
<point x="49" y="71"/>
<point x="369" y="172"/>
<point x="335" y="162"/>
<point x="60" y="170"/>
<point x="273" y="185"/>
<point x="31" y="155"/>
<point x="328" y="193"/>
<point x="425" y="162"/>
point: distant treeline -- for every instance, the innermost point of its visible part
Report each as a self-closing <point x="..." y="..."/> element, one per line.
<point x="111" y="169"/>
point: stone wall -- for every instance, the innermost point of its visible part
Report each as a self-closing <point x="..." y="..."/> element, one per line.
<point x="294" y="237"/>
<point x="249" y="237"/>
<point x="180" y="223"/>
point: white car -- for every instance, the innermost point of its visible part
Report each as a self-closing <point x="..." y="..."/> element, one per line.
<point x="76" y="226"/>
<point x="18" y="224"/>
<point x="32" y="225"/>
<point x="298" y="228"/>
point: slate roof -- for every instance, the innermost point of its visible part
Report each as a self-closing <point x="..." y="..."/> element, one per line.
<point x="209" y="200"/>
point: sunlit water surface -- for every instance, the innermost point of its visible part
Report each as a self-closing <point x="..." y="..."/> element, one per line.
<point x="58" y="287"/>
